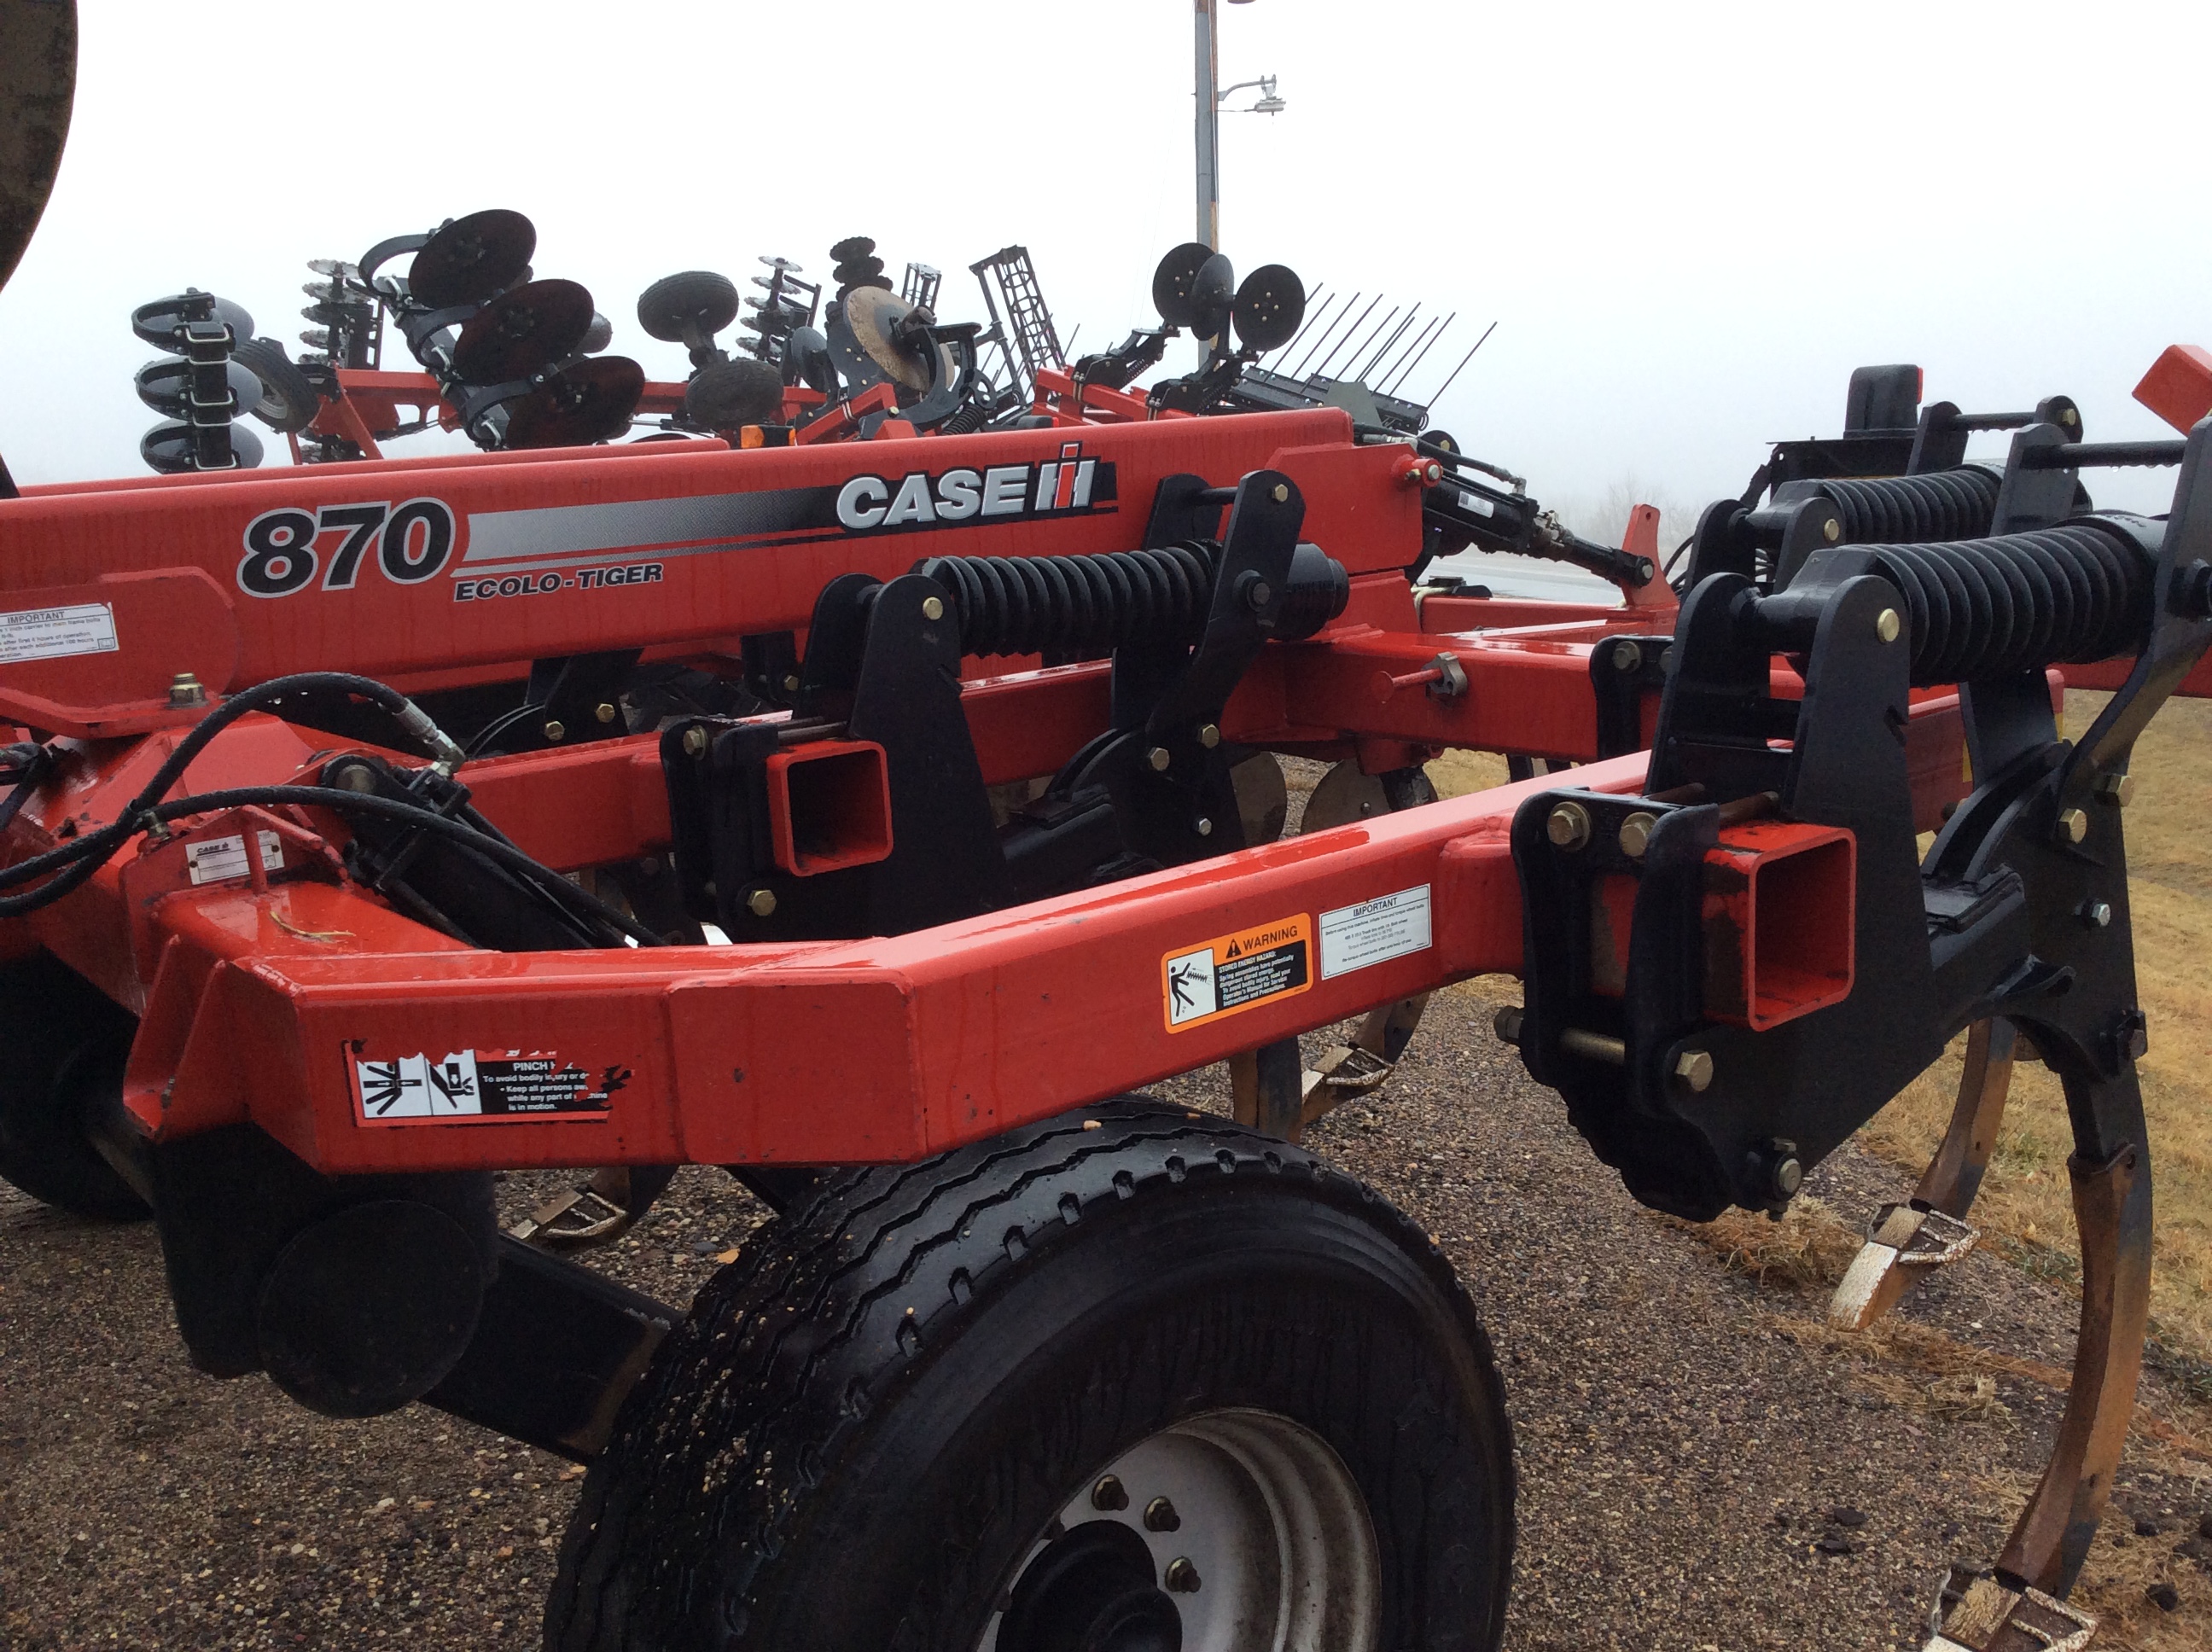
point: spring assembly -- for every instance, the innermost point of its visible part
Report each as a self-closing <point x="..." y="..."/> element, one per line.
<point x="1914" y="510"/>
<point x="1078" y="605"/>
<point x="1988" y="607"/>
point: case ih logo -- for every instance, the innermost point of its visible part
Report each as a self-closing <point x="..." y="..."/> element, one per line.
<point x="1067" y="486"/>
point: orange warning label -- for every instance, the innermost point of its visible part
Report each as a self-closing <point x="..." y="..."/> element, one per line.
<point x="1202" y="983"/>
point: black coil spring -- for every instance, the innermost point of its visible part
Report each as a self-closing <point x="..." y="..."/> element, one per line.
<point x="1987" y="608"/>
<point x="1914" y="510"/>
<point x="1078" y="605"/>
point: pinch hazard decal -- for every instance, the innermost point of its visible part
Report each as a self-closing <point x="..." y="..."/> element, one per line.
<point x="478" y="1084"/>
<point x="1236" y="972"/>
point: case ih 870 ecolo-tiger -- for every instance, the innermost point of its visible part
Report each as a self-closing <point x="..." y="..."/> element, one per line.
<point x="291" y="966"/>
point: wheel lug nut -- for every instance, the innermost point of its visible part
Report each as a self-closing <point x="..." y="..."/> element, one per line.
<point x="1160" y="1516"/>
<point x="1182" y="1576"/>
<point x="1109" y="1495"/>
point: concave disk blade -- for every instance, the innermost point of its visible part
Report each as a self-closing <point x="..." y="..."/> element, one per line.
<point x="872" y="313"/>
<point x="524" y="329"/>
<point x="1171" y="283"/>
<point x="1270" y="305"/>
<point x="587" y="401"/>
<point x="472" y="259"/>
<point x="37" y="83"/>
<point x="1213" y="291"/>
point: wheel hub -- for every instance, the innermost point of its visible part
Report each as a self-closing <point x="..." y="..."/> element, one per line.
<point x="1233" y="1531"/>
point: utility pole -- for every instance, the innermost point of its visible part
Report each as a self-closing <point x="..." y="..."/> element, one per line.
<point x="1209" y="123"/>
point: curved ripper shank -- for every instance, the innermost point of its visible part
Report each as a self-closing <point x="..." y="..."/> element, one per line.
<point x="1728" y="975"/>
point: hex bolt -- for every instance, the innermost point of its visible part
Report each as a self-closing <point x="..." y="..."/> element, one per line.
<point x="1109" y="1495"/>
<point x="2070" y="418"/>
<point x="1182" y="1576"/>
<point x="761" y="902"/>
<point x="185" y="689"/>
<point x="1202" y="826"/>
<point x="2098" y="914"/>
<point x="604" y="711"/>
<point x="1281" y="495"/>
<point x="2119" y="790"/>
<point x="1636" y="833"/>
<point x="791" y="682"/>
<point x="1887" y="625"/>
<point x="2073" y="825"/>
<point x="694" y="741"/>
<point x="932" y="608"/>
<point x="1259" y="594"/>
<point x="1627" y="656"/>
<point x="1695" y="1069"/>
<point x="1832" y="530"/>
<point x="1158" y="759"/>
<point x="1160" y="1516"/>
<point x="1568" y="826"/>
<point x="2134" y="1035"/>
<point x="1209" y="736"/>
<point x="556" y="729"/>
<point x="1508" y="1023"/>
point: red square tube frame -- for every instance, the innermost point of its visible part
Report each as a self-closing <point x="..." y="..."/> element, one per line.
<point x="1778" y="917"/>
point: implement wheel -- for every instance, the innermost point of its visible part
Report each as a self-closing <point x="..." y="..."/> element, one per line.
<point x="65" y="1044"/>
<point x="1160" y="1384"/>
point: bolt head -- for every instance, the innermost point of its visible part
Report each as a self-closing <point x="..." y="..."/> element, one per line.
<point x="1109" y="1495"/>
<point x="2098" y="914"/>
<point x="1160" y="1516"/>
<point x="1627" y="656"/>
<point x="2136" y="1042"/>
<point x="356" y="777"/>
<point x="694" y="741"/>
<point x="2073" y="825"/>
<point x="1788" y="1176"/>
<point x="1203" y="826"/>
<point x="1158" y="759"/>
<point x="1832" y="530"/>
<point x="556" y="729"/>
<point x="1508" y="1023"/>
<point x="2119" y="790"/>
<point x="761" y="902"/>
<point x="932" y="608"/>
<point x="1259" y="594"/>
<point x="791" y="682"/>
<point x="1434" y="472"/>
<point x="1888" y="625"/>
<point x="1209" y="736"/>
<point x="185" y="689"/>
<point x="2070" y="418"/>
<point x="1281" y="494"/>
<point x="1636" y="833"/>
<point x="1568" y="825"/>
<point x="604" y="712"/>
<point x="1181" y="1576"/>
<point x="1695" y="1069"/>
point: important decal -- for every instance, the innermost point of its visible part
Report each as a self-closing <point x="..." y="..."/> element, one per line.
<point x="84" y="627"/>
<point x="1375" y="932"/>
<point x="1236" y="972"/>
<point x="478" y="1084"/>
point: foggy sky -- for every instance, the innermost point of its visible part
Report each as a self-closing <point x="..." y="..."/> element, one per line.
<point x="1690" y="221"/>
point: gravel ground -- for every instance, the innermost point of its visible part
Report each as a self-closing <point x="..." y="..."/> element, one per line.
<point x="1699" y="1468"/>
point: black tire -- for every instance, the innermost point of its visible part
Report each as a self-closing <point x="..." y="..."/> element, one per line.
<point x="288" y="402"/>
<point x="691" y="298"/>
<point x="66" y="1042"/>
<point x="863" y="1428"/>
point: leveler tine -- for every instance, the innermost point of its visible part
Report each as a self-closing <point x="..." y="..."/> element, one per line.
<point x="1395" y="373"/>
<point x="1355" y="326"/>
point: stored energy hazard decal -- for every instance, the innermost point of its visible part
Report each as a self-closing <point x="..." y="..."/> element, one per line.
<point x="478" y="1084"/>
<point x="1236" y="972"/>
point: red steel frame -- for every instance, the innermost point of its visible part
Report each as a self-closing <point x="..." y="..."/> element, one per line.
<point x="258" y="992"/>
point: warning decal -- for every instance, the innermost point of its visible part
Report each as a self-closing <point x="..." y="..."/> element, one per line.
<point x="1236" y="972"/>
<point x="85" y="628"/>
<point x="478" y="1084"/>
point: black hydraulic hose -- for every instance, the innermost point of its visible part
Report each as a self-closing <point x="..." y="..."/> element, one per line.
<point x="343" y="803"/>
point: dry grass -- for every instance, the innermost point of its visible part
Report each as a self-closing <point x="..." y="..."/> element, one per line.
<point x="2026" y="1205"/>
<point x="1808" y="1250"/>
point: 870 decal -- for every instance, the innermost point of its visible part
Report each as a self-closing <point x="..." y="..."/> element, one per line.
<point x="285" y="549"/>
